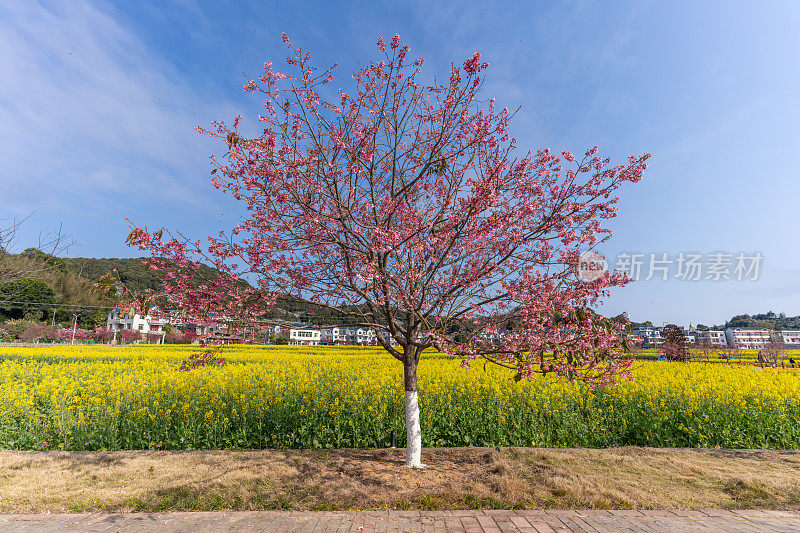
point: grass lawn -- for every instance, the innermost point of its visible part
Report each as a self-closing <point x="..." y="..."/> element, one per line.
<point x="456" y="478"/>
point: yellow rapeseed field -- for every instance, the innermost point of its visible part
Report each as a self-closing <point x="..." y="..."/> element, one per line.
<point x="134" y="397"/>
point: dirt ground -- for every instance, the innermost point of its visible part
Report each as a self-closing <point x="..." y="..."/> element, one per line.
<point x="455" y="478"/>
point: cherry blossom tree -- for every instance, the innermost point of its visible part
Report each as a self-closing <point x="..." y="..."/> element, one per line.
<point x="128" y="336"/>
<point x="406" y="205"/>
<point x="674" y="346"/>
<point x="704" y="349"/>
<point x="102" y="334"/>
<point x="774" y="350"/>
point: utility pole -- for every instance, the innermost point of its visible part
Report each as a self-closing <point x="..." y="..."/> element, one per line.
<point x="74" y="328"/>
<point x="54" y="317"/>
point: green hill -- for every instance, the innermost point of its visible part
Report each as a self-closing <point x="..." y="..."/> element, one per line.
<point x="132" y="271"/>
<point x="73" y="279"/>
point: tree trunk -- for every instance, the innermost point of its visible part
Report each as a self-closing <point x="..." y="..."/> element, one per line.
<point x="413" y="430"/>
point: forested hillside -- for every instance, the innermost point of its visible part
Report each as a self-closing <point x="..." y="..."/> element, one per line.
<point x="131" y="270"/>
<point x="47" y="286"/>
<point x="68" y="285"/>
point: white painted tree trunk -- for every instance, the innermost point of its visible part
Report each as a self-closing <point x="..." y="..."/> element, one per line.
<point x="413" y="432"/>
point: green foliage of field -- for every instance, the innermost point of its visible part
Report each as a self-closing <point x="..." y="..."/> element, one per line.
<point x="93" y="398"/>
<point x="652" y="354"/>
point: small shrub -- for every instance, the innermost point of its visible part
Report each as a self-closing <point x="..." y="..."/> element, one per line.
<point x="16" y="328"/>
<point x="102" y="334"/>
<point x="130" y="335"/>
<point x="36" y="332"/>
<point x="79" y="334"/>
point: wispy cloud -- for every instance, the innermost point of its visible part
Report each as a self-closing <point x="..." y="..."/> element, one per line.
<point x="92" y="118"/>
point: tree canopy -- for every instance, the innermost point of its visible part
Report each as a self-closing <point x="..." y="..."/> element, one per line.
<point x="22" y="297"/>
<point x="407" y="206"/>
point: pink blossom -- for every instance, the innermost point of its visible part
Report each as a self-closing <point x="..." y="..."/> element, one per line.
<point x="474" y="65"/>
<point x="410" y="208"/>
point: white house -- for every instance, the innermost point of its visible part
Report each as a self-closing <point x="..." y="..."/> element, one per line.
<point x="747" y="338"/>
<point x="342" y="335"/>
<point x="712" y="337"/>
<point x="634" y="338"/>
<point x="388" y="337"/>
<point x="788" y="336"/>
<point x="493" y="338"/>
<point x="304" y="336"/>
<point x="208" y="329"/>
<point x="117" y="321"/>
<point x="273" y="331"/>
<point x="362" y="336"/>
<point x="335" y="335"/>
<point x="651" y="337"/>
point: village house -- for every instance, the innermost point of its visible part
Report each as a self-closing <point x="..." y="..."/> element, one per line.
<point x="345" y="335"/>
<point x="748" y="338"/>
<point x="309" y="336"/>
<point x="146" y="324"/>
<point x="713" y="337"/>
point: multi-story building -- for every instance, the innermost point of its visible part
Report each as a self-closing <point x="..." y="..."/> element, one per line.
<point x="274" y="331"/>
<point x="304" y="336"/>
<point x="712" y="336"/>
<point x="651" y="337"/>
<point x="334" y="335"/>
<point x="634" y="339"/>
<point x="117" y="321"/>
<point x="364" y="336"/>
<point x="388" y="337"/>
<point x="493" y="338"/>
<point x="343" y="335"/>
<point x="689" y="334"/>
<point x="203" y="330"/>
<point x="747" y="338"/>
<point x="147" y="324"/>
<point x="790" y="337"/>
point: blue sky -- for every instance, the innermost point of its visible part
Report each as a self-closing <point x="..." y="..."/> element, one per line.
<point x="98" y="104"/>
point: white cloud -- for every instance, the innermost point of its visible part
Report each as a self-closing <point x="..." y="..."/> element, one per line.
<point x="91" y="117"/>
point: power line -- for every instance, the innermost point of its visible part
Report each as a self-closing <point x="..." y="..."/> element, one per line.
<point x="47" y="307"/>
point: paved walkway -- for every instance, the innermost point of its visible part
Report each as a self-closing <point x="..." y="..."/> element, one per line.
<point x="397" y="521"/>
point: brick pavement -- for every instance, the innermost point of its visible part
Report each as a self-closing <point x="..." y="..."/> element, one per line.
<point x="598" y="521"/>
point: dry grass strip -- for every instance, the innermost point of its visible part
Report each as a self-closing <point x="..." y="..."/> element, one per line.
<point x="456" y="478"/>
